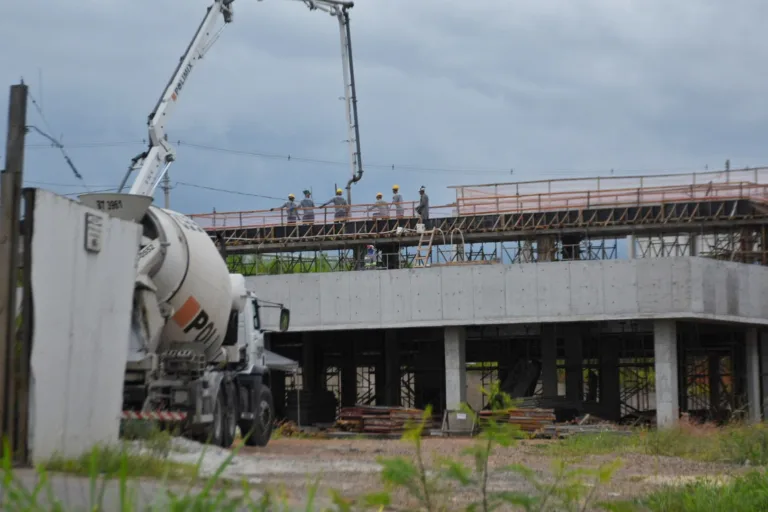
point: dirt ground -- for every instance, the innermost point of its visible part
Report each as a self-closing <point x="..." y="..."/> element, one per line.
<point x="350" y="467"/>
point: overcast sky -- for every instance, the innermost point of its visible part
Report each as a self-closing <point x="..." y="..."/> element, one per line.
<point x="449" y="92"/>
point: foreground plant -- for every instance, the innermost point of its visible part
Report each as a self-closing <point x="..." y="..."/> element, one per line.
<point x="565" y="489"/>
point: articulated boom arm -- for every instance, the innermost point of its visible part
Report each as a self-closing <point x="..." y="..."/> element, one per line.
<point x="340" y="10"/>
<point x="153" y="163"/>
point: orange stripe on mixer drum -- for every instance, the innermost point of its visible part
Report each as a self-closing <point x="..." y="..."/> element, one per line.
<point x="187" y="312"/>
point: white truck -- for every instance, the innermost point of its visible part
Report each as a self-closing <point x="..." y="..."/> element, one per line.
<point x="197" y="354"/>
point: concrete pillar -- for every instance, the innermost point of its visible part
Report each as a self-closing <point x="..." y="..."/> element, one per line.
<point x="763" y="340"/>
<point x="693" y="244"/>
<point x="455" y="367"/>
<point x="631" y="247"/>
<point x="349" y="377"/>
<point x="391" y="368"/>
<point x="549" y="360"/>
<point x="753" y="375"/>
<point x="610" y="386"/>
<point x="308" y="362"/>
<point x="665" y="357"/>
<point x="574" y="363"/>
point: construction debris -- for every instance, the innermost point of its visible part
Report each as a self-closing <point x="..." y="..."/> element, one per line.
<point x="529" y="420"/>
<point x="377" y="419"/>
<point x="562" y="431"/>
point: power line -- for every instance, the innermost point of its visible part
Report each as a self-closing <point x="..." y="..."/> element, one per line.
<point x="235" y="192"/>
<point x="389" y="167"/>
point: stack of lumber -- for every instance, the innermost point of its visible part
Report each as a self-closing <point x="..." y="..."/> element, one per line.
<point x="377" y="419"/>
<point x="529" y="420"/>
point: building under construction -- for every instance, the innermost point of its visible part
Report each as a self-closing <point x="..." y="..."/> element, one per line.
<point x="629" y="298"/>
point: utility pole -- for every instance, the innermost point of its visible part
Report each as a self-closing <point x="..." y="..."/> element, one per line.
<point x="167" y="190"/>
<point x="10" y="212"/>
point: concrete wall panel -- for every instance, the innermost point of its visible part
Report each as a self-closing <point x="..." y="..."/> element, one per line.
<point x="82" y="303"/>
<point x="587" y="297"/>
<point x="528" y="293"/>
<point x="620" y="289"/>
<point x="489" y="293"/>
<point x="458" y="300"/>
<point x="522" y="291"/>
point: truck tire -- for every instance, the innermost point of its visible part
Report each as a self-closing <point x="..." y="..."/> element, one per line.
<point x="229" y="417"/>
<point x="215" y="431"/>
<point x="260" y="429"/>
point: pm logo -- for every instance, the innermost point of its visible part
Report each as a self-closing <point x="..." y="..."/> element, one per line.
<point x="192" y="318"/>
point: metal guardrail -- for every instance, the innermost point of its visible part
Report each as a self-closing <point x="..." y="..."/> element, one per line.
<point x="507" y="204"/>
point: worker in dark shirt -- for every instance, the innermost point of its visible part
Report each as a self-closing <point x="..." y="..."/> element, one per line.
<point x="423" y="208"/>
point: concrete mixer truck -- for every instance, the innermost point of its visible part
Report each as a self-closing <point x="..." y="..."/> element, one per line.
<point x="196" y="356"/>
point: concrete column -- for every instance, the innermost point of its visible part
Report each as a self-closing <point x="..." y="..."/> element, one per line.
<point x="753" y="375"/>
<point x="631" y="249"/>
<point x="549" y="360"/>
<point x="455" y="367"/>
<point x="693" y="244"/>
<point x="665" y="357"/>
<point x="349" y="377"/>
<point x="763" y="340"/>
<point x="392" y="368"/>
<point x="308" y="362"/>
<point x="610" y="386"/>
<point x="574" y="363"/>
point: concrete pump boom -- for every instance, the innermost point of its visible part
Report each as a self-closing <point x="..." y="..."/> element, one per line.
<point x="153" y="163"/>
<point x="340" y="10"/>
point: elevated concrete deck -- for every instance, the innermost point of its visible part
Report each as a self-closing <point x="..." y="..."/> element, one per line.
<point x="663" y="288"/>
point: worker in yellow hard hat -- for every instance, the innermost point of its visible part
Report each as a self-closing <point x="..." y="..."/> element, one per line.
<point x="291" y="207"/>
<point x="397" y="201"/>
<point x="342" y="209"/>
<point x="380" y="208"/>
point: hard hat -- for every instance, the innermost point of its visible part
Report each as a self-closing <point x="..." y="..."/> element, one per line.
<point x="291" y="196"/>
<point x="395" y="187"/>
<point x="422" y="189"/>
<point x="307" y="192"/>
<point x="339" y="191"/>
<point x="379" y="194"/>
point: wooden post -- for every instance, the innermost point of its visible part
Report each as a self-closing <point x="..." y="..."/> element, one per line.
<point x="10" y="207"/>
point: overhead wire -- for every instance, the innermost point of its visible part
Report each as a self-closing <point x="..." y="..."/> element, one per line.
<point x="289" y="157"/>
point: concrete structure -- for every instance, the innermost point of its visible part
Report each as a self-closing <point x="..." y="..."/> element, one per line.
<point x="575" y="311"/>
<point x="80" y="339"/>
<point x="663" y="288"/>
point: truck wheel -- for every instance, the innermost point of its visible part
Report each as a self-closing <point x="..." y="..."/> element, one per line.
<point x="229" y="417"/>
<point x="261" y="426"/>
<point x="215" y="431"/>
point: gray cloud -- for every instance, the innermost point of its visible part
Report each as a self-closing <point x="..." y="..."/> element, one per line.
<point x="551" y="89"/>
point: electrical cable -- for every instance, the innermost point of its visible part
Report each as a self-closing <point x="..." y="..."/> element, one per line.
<point x="390" y="167"/>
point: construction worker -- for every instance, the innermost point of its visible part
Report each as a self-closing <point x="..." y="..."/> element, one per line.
<point x="397" y="201"/>
<point x="423" y="208"/>
<point x="370" y="257"/>
<point x="308" y="207"/>
<point x="380" y="208"/>
<point x="292" y="208"/>
<point x="342" y="208"/>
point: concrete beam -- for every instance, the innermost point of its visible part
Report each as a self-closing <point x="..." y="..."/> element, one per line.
<point x="455" y="367"/>
<point x="533" y="293"/>
<point x="665" y="356"/>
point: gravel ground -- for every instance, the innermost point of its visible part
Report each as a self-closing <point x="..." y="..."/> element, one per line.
<point x="350" y="466"/>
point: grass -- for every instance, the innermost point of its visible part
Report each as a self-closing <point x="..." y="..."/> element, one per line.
<point x="735" y="444"/>
<point x="744" y="494"/>
<point x="109" y="462"/>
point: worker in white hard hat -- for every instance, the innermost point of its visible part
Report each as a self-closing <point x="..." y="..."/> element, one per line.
<point x="342" y="208"/>
<point x="380" y="208"/>
<point x="397" y="201"/>
<point x="291" y="207"/>
<point x="423" y="208"/>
